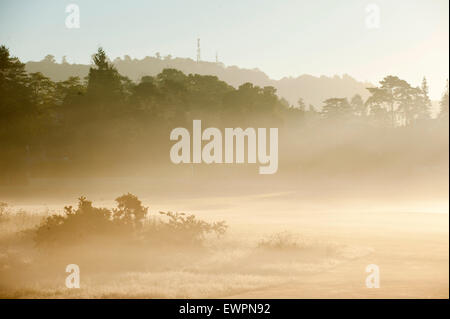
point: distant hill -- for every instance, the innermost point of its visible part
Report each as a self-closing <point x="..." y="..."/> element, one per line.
<point x="313" y="90"/>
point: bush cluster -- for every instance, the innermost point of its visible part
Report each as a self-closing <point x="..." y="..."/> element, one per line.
<point x="130" y="220"/>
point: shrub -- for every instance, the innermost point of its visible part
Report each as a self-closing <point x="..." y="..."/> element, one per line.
<point x="180" y="228"/>
<point x="281" y="241"/>
<point x="129" y="220"/>
<point x="129" y="211"/>
<point x="75" y="225"/>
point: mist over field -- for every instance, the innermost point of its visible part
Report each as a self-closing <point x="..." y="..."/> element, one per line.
<point x="88" y="180"/>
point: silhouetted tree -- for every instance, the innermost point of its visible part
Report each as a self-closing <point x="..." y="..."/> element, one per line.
<point x="443" y="112"/>
<point x="301" y="105"/>
<point x="336" y="108"/>
<point x="104" y="82"/>
<point x="357" y="105"/>
<point x="426" y="109"/>
<point x="17" y="117"/>
<point x="397" y="98"/>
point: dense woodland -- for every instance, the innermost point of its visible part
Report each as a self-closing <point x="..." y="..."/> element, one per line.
<point x="108" y="120"/>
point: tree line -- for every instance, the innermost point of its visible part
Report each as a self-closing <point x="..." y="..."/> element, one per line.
<point x="107" y="118"/>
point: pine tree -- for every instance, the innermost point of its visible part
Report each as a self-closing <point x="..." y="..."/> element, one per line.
<point x="301" y="105"/>
<point x="426" y="109"/>
<point x="443" y="114"/>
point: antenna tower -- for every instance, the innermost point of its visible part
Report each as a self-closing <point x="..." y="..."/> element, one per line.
<point x="198" y="50"/>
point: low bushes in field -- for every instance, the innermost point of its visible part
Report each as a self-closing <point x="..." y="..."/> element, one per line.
<point x="281" y="241"/>
<point x="130" y="220"/>
<point x="180" y="228"/>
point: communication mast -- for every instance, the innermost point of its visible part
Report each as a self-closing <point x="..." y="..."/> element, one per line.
<point x="198" y="50"/>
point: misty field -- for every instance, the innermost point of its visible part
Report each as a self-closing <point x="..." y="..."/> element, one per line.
<point x="309" y="159"/>
<point x="273" y="247"/>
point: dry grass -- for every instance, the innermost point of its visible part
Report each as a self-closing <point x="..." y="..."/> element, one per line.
<point x="110" y="269"/>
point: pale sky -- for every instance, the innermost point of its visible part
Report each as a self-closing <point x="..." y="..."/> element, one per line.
<point x="281" y="38"/>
